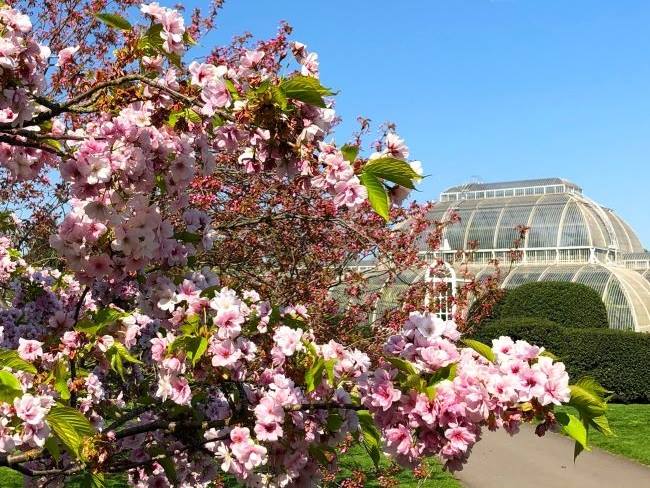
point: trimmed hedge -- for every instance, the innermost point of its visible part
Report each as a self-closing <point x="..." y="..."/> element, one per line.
<point x="618" y="360"/>
<point x="565" y="303"/>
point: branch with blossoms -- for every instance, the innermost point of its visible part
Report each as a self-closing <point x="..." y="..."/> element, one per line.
<point x="190" y="330"/>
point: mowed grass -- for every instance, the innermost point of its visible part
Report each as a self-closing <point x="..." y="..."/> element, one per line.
<point x="631" y="424"/>
<point x="355" y="460"/>
<point x="358" y="460"/>
<point x="13" y="479"/>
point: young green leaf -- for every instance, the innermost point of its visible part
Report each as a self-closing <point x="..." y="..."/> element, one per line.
<point x="350" y="152"/>
<point x="601" y="424"/>
<point x="305" y="89"/>
<point x="334" y="421"/>
<point x="483" y="349"/>
<point x="392" y="169"/>
<point x="10" y="387"/>
<point x="371" y="436"/>
<point x="114" y="20"/>
<point x="188" y="39"/>
<point x="93" y="480"/>
<point x="10" y="359"/>
<point x="70" y="426"/>
<point x="53" y="448"/>
<point x="402" y="365"/>
<point x="193" y="346"/>
<point x="329" y="369"/>
<point x="185" y="236"/>
<point x="314" y="375"/>
<point x="61" y="379"/>
<point x="377" y="194"/>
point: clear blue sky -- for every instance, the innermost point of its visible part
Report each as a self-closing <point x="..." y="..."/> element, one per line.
<point x="500" y="89"/>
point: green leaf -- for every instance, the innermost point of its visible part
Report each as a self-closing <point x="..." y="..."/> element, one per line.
<point x="125" y="354"/>
<point x="446" y="373"/>
<point x="588" y="403"/>
<point x="193" y="346"/>
<point x="116" y="356"/>
<point x="185" y="236"/>
<point x="305" y="89"/>
<point x="311" y="348"/>
<point x="573" y="427"/>
<point x="97" y="322"/>
<point x="430" y="392"/>
<point x="601" y="424"/>
<point x="188" y="39"/>
<point x="192" y="116"/>
<point x="10" y="359"/>
<point x="350" y="152"/>
<point x="10" y="387"/>
<point x="151" y="40"/>
<point x="93" y="480"/>
<point x="53" y="448"/>
<point x="402" y="365"/>
<point x="334" y="421"/>
<point x="483" y="349"/>
<point x="329" y="369"/>
<point x="114" y="20"/>
<point x="377" y="194"/>
<point x="70" y="426"/>
<point x="392" y="169"/>
<point x="549" y="354"/>
<point x="576" y="429"/>
<point x="279" y="97"/>
<point x="314" y="375"/>
<point x="53" y="143"/>
<point x="61" y="379"/>
<point x="170" y="470"/>
<point x="371" y="436"/>
<point x="590" y="384"/>
<point x="210" y="291"/>
<point x="186" y="113"/>
<point x="415" y="382"/>
<point x="231" y="88"/>
<point x="317" y="452"/>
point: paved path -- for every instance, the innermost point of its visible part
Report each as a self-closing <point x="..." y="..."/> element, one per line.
<point x="526" y="461"/>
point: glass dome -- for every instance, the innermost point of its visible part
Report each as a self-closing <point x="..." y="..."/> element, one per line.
<point x="555" y="220"/>
<point x="569" y="238"/>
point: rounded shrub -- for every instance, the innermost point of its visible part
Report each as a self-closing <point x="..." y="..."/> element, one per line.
<point x="616" y="359"/>
<point x="565" y="303"/>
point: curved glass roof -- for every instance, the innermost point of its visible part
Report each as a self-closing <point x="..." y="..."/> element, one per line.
<point x="625" y="292"/>
<point x="555" y="220"/>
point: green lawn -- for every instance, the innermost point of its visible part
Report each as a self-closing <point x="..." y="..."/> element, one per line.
<point x="631" y="423"/>
<point x="355" y="460"/>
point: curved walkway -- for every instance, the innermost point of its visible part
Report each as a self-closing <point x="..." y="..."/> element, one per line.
<point x="527" y="461"/>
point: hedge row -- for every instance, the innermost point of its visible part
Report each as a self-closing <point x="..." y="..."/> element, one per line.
<point x="618" y="360"/>
<point x="565" y="303"/>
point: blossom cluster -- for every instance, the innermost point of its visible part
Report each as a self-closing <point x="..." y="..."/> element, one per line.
<point x="22" y="75"/>
<point x="172" y="23"/>
<point x="474" y="392"/>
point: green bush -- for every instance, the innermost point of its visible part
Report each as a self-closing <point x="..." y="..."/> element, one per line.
<point x="565" y="303"/>
<point x="617" y="359"/>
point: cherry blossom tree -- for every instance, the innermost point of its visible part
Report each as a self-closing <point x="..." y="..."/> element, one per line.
<point x="182" y="296"/>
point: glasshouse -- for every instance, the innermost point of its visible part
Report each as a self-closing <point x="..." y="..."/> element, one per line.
<point x="570" y="238"/>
